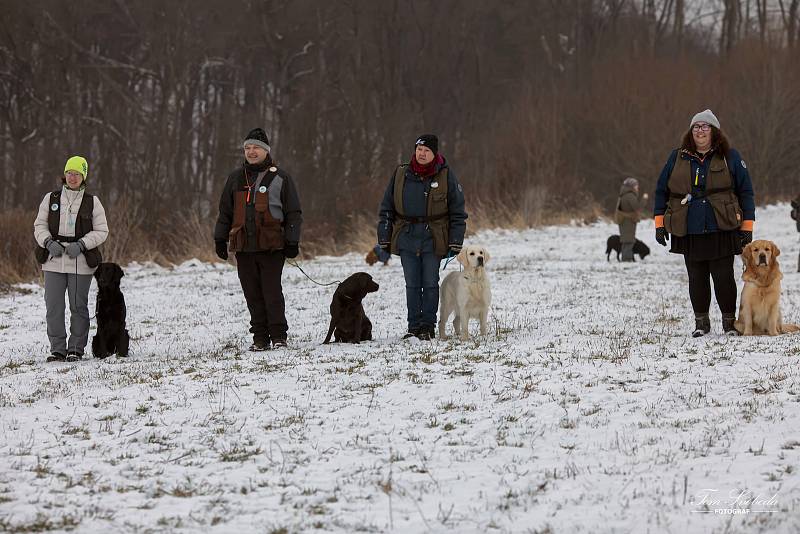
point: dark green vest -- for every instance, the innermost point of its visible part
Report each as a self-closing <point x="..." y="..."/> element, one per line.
<point x="719" y="193"/>
<point x="437" y="214"/>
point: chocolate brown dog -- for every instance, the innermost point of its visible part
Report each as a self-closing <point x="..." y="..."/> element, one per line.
<point x="349" y="323"/>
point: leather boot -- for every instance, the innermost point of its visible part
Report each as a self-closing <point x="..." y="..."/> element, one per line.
<point x="702" y="325"/>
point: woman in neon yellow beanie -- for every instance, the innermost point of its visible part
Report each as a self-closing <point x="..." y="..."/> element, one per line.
<point x="69" y="227"/>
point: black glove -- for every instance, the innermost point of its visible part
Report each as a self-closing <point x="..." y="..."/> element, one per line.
<point x="746" y="237"/>
<point x="222" y="249"/>
<point x="453" y="251"/>
<point x="291" y="250"/>
<point x="662" y="236"/>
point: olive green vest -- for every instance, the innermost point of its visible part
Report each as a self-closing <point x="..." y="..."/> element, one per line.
<point x="437" y="217"/>
<point x="719" y="193"/>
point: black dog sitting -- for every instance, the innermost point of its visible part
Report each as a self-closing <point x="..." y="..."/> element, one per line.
<point x="111" y="337"/>
<point x="349" y="323"/>
<point x="615" y="244"/>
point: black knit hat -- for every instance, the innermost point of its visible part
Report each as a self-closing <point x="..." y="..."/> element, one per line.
<point x="428" y="140"/>
<point x="257" y="137"/>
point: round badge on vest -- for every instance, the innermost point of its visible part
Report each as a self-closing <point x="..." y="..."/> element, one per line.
<point x="54" y="207"/>
<point x="434" y="185"/>
<point x="273" y="169"/>
<point x="262" y="189"/>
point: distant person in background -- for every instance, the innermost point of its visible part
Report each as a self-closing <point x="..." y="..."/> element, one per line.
<point x="704" y="200"/>
<point x="796" y="216"/>
<point x="422" y="219"/>
<point x="628" y="213"/>
<point x="259" y="220"/>
<point x="69" y="227"/>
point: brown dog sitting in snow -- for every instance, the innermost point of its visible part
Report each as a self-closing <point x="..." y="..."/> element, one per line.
<point x="759" y="309"/>
<point x="349" y="323"/>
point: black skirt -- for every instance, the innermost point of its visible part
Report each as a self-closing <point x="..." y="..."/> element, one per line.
<point x="706" y="247"/>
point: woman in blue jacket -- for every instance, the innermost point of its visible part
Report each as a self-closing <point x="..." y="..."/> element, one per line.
<point x="422" y="219"/>
<point x="704" y="200"/>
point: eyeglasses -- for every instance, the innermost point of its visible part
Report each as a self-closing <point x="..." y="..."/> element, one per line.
<point x="703" y="127"/>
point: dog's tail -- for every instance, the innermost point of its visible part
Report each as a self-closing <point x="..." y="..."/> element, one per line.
<point x="788" y="328"/>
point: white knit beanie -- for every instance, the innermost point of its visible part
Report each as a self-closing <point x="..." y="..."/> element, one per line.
<point x="706" y="116"/>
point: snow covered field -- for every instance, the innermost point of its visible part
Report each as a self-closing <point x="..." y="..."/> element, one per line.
<point x="588" y="408"/>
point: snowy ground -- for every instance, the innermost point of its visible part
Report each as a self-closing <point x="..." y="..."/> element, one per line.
<point x="587" y="409"/>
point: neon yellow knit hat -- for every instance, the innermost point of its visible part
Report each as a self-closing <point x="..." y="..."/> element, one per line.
<point x="77" y="164"/>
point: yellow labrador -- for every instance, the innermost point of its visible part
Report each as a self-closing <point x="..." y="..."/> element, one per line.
<point x="467" y="294"/>
<point x="759" y="309"/>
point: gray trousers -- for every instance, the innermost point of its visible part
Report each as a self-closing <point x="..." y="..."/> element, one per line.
<point x="77" y="289"/>
<point x="627" y="251"/>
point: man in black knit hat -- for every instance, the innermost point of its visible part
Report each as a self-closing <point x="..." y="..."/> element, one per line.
<point x="259" y="220"/>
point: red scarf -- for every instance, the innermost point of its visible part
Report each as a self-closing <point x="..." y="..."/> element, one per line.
<point x="426" y="170"/>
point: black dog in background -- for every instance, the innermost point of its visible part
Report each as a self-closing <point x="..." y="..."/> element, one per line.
<point x="615" y="244"/>
<point x="111" y="337"/>
<point x="349" y="323"/>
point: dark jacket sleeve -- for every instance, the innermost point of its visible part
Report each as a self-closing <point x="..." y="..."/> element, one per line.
<point x="386" y="214"/>
<point x="662" y="191"/>
<point x="225" y="218"/>
<point x="455" y="205"/>
<point x="292" y="213"/>
<point x="742" y="185"/>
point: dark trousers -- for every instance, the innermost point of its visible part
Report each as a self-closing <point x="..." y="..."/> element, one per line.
<point x="422" y="288"/>
<point x="260" y="276"/>
<point x="700" y="275"/>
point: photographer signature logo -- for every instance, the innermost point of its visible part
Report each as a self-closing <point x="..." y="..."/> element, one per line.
<point x="735" y="502"/>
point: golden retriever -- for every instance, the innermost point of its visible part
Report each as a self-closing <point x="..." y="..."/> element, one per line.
<point x="467" y="294"/>
<point x="759" y="308"/>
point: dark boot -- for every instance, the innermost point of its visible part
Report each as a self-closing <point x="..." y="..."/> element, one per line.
<point x="74" y="357"/>
<point x="259" y="345"/>
<point x="702" y="325"/>
<point x="426" y="332"/>
<point x="56" y="357"/>
<point x="728" y="320"/>
<point x="412" y="332"/>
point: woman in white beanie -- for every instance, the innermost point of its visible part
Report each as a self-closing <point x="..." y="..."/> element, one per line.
<point x="69" y="227"/>
<point x="704" y="199"/>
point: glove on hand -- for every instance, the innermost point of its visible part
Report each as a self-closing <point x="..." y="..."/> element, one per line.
<point x="662" y="236"/>
<point x="291" y="250"/>
<point x="221" y="249"/>
<point x="746" y="237"/>
<point x="55" y="248"/>
<point x="73" y="249"/>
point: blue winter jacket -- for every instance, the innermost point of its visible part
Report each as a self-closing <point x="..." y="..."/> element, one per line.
<point x="417" y="238"/>
<point x="700" y="218"/>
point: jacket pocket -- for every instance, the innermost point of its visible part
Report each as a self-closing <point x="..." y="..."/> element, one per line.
<point x="93" y="257"/>
<point x="236" y="239"/>
<point x="728" y="214"/>
<point x="675" y="219"/>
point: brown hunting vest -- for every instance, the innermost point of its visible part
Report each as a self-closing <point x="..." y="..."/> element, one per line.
<point x="83" y="225"/>
<point x="437" y="217"/>
<point x="268" y="226"/>
<point x="719" y="192"/>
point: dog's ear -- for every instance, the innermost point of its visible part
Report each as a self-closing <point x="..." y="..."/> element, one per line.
<point x="118" y="274"/>
<point x="775" y="250"/>
<point x="486" y="256"/>
<point x="462" y="257"/>
<point x="747" y="256"/>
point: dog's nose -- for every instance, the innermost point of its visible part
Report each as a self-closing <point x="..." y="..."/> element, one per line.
<point x="480" y="260"/>
<point x="762" y="259"/>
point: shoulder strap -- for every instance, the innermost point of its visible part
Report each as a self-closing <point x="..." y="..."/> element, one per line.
<point x="54" y="215"/>
<point x="84" y="224"/>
